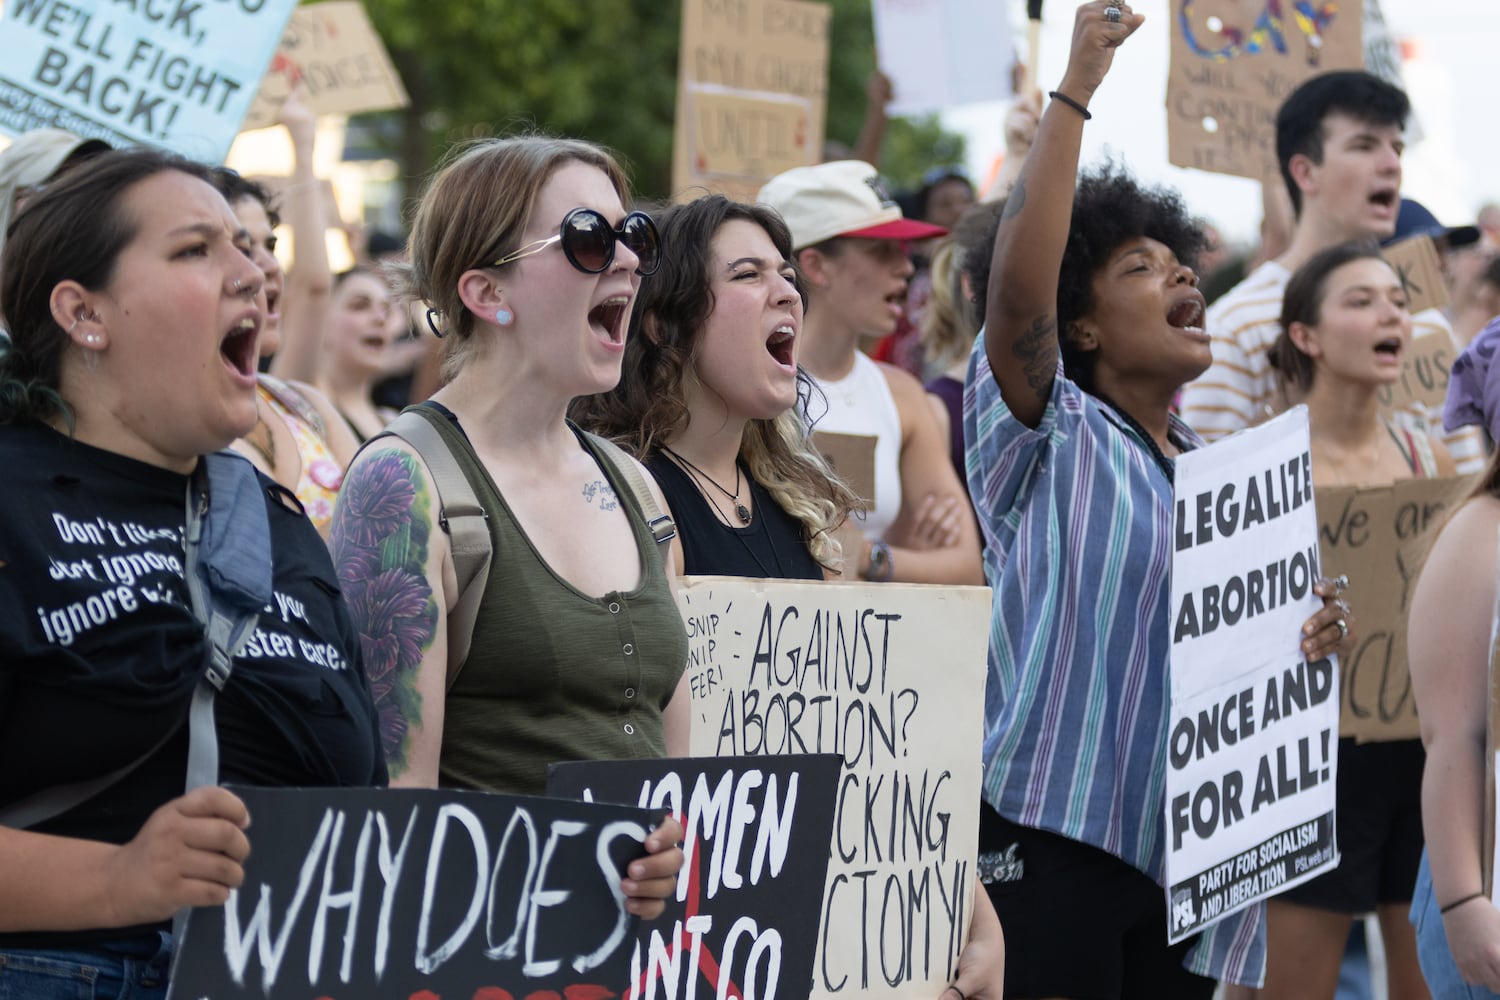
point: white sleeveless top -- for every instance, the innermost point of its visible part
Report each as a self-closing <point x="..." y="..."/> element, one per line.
<point x="861" y="403"/>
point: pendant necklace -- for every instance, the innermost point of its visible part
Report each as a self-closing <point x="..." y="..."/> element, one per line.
<point x="740" y="510"/>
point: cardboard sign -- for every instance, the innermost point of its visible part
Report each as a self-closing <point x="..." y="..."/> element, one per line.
<point x="1252" y="758"/>
<point x="752" y="87"/>
<point x="1424" y="376"/>
<point x="744" y="920"/>
<point x="941" y="54"/>
<point x="177" y="74"/>
<point x="384" y="892"/>
<point x="1416" y="263"/>
<point x="333" y="51"/>
<point x="1378" y="537"/>
<point x="890" y="676"/>
<point x="853" y="458"/>
<point x="1232" y="64"/>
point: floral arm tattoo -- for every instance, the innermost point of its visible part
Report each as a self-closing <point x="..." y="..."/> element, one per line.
<point x="380" y="546"/>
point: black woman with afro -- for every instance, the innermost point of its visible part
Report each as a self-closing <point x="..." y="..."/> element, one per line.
<point x="1093" y="321"/>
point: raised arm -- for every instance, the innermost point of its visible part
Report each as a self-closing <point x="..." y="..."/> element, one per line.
<point x="309" y="283"/>
<point x="1021" y="313"/>
<point x="396" y="570"/>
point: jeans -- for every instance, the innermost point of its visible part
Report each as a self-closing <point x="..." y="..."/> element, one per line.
<point x="132" y="969"/>
<point x="1438" y="967"/>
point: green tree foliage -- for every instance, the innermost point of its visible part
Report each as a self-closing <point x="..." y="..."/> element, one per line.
<point x="605" y="70"/>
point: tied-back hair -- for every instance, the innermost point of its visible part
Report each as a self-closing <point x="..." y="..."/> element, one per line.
<point x="475" y="210"/>
<point x="647" y="408"/>
<point x="74" y="230"/>
<point x="1111" y="208"/>
<point x="947" y="335"/>
<point x="1303" y="303"/>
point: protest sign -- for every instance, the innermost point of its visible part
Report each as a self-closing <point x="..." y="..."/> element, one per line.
<point x="752" y="86"/>
<point x="853" y="458"/>
<point x="331" y="48"/>
<point x="744" y="919"/>
<point x="890" y="676"/>
<point x="363" y="892"/>
<point x="1424" y="375"/>
<point x="1251" y="743"/>
<point x="173" y="73"/>
<point x="1378" y="537"/>
<point x="943" y="53"/>
<point x="1415" y="261"/>
<point x="1233" y="63"/>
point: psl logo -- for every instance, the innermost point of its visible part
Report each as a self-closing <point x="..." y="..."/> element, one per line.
<point x="1183" y="914"/>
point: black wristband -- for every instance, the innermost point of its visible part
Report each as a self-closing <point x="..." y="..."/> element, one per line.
<point x="1460" y="902"/>
<point x="1058" y="95"/>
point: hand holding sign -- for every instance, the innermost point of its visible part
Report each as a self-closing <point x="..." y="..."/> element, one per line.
<point x="190" y="852"/>
<point x="650" y="880"/>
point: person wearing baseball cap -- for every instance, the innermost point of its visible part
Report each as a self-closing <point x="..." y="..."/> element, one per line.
<point x="851" y="244"/>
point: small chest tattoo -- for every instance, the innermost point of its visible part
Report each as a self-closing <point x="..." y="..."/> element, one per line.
<point x="602" y="493"/>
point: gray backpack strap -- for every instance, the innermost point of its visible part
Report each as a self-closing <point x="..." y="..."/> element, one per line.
<point x="227" y="593"/>
<point x="663" y="529"/>
<point x="461" y="516"/>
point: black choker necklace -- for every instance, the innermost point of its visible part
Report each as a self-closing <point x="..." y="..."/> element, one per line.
<point x="740" y="510"/>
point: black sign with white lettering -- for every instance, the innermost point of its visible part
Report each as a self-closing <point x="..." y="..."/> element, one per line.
<point x="402" y="892"/>
<point x="745" y="918"/>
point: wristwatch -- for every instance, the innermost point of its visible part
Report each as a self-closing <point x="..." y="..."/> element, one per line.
<point x="881" y="565"/>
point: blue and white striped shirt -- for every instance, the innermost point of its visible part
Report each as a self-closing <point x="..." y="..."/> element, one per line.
<point x="1077" y="519"/>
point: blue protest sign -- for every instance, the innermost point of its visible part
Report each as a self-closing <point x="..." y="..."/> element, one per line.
<point x="174" y="73"/>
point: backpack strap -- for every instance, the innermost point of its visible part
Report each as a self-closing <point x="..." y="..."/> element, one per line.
<point x="460" y="515"/>
<point x="662" y="528"/>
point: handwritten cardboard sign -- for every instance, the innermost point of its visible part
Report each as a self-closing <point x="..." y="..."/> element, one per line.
<point x="331" y="48"/>
<point x="384" y="892"/>
<point x="176" y="74"/>
<point x="744" y="920"/>
<point x="1416" y="263"/>
<point x="943" y="53"/>
<point x="1232" y="64"/>
<point x="1252" y="761"/>
<point x="891" y="676"/>
<point x="1423" y="384"/>
<point x="1378" y="537"/>
<point x="752" y="88"/>
<point x="853" y="458"/>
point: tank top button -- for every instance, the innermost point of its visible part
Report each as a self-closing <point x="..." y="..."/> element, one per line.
<point x="628" y="649"/>
<point x="614" y="608"/>
<point x="629" y="729"/>
<point x="630" y="692"/>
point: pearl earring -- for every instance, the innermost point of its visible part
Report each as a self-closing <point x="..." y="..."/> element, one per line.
<point x="504" y="317"/>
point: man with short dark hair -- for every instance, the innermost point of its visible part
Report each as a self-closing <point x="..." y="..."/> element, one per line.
<point x="1339" y="144"/>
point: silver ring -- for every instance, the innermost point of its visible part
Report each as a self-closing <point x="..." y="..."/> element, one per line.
<point x="1343" y="629"/>
<point x="1341" y="582"/>
<point x="1112" y="14"/>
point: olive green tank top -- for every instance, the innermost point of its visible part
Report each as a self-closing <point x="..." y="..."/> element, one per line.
<point x="554" y="674"/>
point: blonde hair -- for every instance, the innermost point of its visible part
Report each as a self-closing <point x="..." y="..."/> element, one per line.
<point x="947" y="332"/>
<point x="475" y="210"/>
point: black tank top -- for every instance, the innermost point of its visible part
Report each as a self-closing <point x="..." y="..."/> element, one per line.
<point x="771" y="546"/>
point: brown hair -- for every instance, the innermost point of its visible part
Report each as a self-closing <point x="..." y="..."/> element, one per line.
<point x="474" y="211"/>
<point x="647" y="409"/>
<point x="1302" y="302"/>
<point x="75" y="230"/>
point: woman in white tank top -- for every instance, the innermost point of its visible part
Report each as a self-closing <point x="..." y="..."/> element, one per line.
<point x="851" y="246"/>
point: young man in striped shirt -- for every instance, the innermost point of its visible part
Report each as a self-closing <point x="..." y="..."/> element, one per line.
<point x="1339" y="143"/>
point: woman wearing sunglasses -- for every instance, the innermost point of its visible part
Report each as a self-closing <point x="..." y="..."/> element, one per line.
<point x="529" y="263"/>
